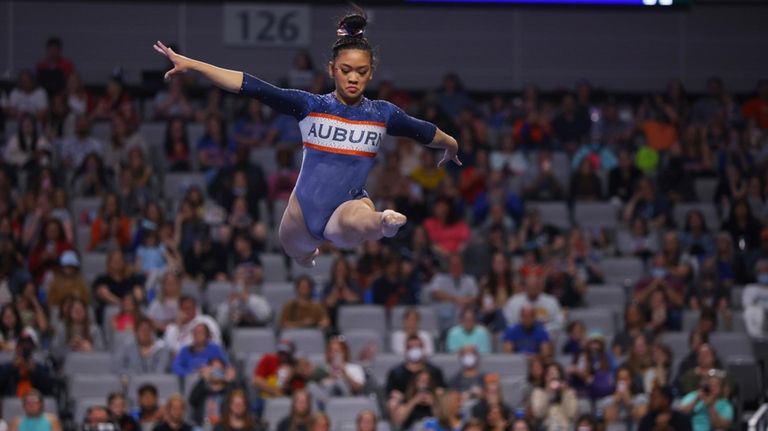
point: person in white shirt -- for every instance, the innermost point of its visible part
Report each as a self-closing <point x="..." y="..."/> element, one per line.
<point x="452" y="291"/>
<point x="27" y="97"/>
<point x="411" y="326"/>
<point x="24" y="148"/>
<point x="547" y="308"/>
<point x="179" y="334"/>
<point x="754" y="299"/>
<point x="75" y="149"/>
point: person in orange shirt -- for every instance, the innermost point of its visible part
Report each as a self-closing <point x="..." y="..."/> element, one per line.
<point x="756" y="108"/>
<point x="110" y="227"/>
<point x="658" y="121"/>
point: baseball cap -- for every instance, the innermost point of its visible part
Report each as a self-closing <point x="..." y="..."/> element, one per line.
<point x="69" y="258"/>
<point x="286" y="346"/>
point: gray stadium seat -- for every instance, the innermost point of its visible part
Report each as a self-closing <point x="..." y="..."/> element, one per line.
<point x="553" y="213"/>
<point x="308" y="341"/>
<point x="82" y="237"/>
<point x="690" y="319"/>
<point x="275" y="409"/>
<point x="274" y="267"/>
<point x="249" y="365"/>
<point x="382" y="364"/>
<point x="371" y="317"/>
<point x="345" y="409"/>
<point x="602" y="296"/>
<point x="12" y="407"/>
<point x="266" y="158"/>
<point x="707" y="209"/>
<point x="277" y="295"/>
<point x="278" y="208"/>
<point x="619" y="270"/>
<point x="428" y="318"/>
<point x="595" y="319"/>
<point x="746" y="373"/>
<point x="321" y="272"/>
<point x="730" y="344"/>
<point x="705" y="190"/>
<point x="218" y="292"/>
<point x="154" y="132"/>
<point x="101" y="130"/>
<point x="448" y="362"/>
<point x="89" y="385"/>
<point x="513" y="389"/>
<point x="358" y="339"/>
<point x="677" y="343"/>
<point x="90" y="362"/>
<point x="246" y="341"/>
<point x="589" y="215"/>
<point x="191" y="287"/>
<point x="166" y="384"/>
<point x="92" y="264"/>
<point x="177" y="184"/>
<point x="505" y="364"/>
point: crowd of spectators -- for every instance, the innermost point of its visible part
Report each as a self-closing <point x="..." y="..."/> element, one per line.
<point x="499" y="277"/>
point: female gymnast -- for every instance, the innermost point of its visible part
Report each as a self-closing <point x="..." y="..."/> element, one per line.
<point x="342" y="132"/>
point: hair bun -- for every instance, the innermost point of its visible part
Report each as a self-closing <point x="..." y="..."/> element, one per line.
<point x="352" y="26"/>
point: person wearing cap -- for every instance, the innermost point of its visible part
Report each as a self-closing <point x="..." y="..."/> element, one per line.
<point x="23" y="372"/>
<point x="275" y="375"/>
<point x="68" y="281"/>
<point x="34" y="417"/>
<point x="548" y="310"/>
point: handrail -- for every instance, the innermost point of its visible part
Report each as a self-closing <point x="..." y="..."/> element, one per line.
<point x="755" y="420"/>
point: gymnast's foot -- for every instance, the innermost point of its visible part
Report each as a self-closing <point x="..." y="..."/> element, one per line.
<point x="308" y="261"/>
<point x="391" y="221"/>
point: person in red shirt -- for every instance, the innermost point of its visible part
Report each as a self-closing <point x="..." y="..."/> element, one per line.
<point x="756" y="108"/>
<point x="275" y="375"/>
<point x="448" y="233"/>
<point x="47" y="251"/>
<point x="54" y="70"/>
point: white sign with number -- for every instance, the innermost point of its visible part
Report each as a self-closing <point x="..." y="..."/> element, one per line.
<point x="266" y="25"/>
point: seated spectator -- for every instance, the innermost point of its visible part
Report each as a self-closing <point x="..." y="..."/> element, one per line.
<point x="706" y="359"/>
<point x="145" y="354"/>
<point x="11" y="327"/>
<point x="345" y="378"/>
<point x="111" y="229"/>
<point x="27" y="148"/>
<point x="341" y="290"/>
<point x="417" y="402"/>
<point x="276" y="373"/>
<point x="300" y="415"/>
<point x="320" y="422"/>
<point x="236" y="416"/>
<point x="303" y="312"/>
<point x="176" y="146"/>
<point x="404" y="375"/>
<point x="172" y="103"/>
<point x="645" y="203"/>
<point x="148" y="411"/>
<point x="24" y="372"/>
<point x="495" y="290"/>
<point x="393" y="287"/>
<point x="468" y="333"/>
<point x="27" y="97"/>
<point x="577" y="338"/>
<point x="75" y="149"/>
<point x="743" y="226"/>
<point x="213" y="107"/>
<point x="217" y="379"/>
<point x="206" y="259"/>
<point x="448" y="412"/>
<point x="127" y="316"/>
<point x="634" y="325"/>
<point x="554" y="404"/>
<point x="591" y="372"/>
<point x="67" y="282"/>
<point x="640" y="358"/>
<point x="31" y="312"/>
<point x="528" y="336"/>
<point x="164" y="309"/>
<point x="661" y="415"/>
<point x="491" y="400"/>
<point x="215" y="149"/>
<point x="585" y="183"/>
<point x="91" y="179"/>
<point x="366" y="421"/>
<point x="754" y="299"/>
<point x="45" y="255"/>
<point x="660" y="373"/>
<point x="118" y="407"/>
<point x="540" y="182"/>
<point x="282" y="181"/>
<point x="76" y="333"/>
<point x="180" y="333"/>
<point x="639" y="242"/>
<point x="34" y="417"/>
<point x="115" y="96"/>
<point x="696" y="239"/>
<point x="427" y="175"/>
<point x="244" y="308"/>
<point x="623" y="178"/>
<point x="411" y="327"/>
<point x="628" y="403"/>
<point x="252" y="129"/>
<point x="448" y="233"/>
<point x="708" y="406"/>
<point x="451" y="291"/>
<point x="118" y="281"/>
<point x="548" y="311"/>
<point x="174" y="416"/>
<point x="246" y="263"/>
<point x="469" y="380"/>
<point x="678" y="263"/>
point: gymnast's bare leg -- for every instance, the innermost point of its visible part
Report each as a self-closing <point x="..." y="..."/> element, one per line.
<point x="294" y="236"/>
<point x="357" y="221"/>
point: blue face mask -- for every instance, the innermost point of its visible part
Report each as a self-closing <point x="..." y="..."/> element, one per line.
<point x="762" y="278"/>
<point x="658" y="273"/>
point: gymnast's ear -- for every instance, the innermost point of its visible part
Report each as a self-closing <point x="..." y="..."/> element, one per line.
<point x="330" y="69"/>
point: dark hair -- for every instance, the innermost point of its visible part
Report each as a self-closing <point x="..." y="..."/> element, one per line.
<point x="54" y="41"/>
<point x="18" y="327"/>
<point x="114" y="395"/>
<point x="147" y="388"/>
<point x="350" y="32"/>
<point x="168" y="145"/>
<point x="25" y="146"/>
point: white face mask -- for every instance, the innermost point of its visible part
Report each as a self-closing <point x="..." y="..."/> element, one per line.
<point x="469" y="360"/>
<point x="414" y="354"/>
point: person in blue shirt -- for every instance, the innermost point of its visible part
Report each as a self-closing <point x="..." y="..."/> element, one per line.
<point x="708" y="407"/>
<point x="468" y="332"/>
<point x="528" y="336"/>
<point x="199" y="353"/>
<point x="342" y="132"/>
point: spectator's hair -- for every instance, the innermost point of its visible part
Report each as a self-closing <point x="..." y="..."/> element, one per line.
<point x="147" y="388"/>
<point x="586" y="417"/>
<point x="708" y="313"/>
<point x="33" y="393"/>
<point x="304" y="278"/>
<point x="174" y="398"/>
<point x="114" y="395"/>
<point x="341" y="260"/>
<point x="452" y="217"/>
<point x="351" y="34"/>
<point x="54" y="41"/>
<point x="207" y="329"/>
<point x="91" y="409"/>
<point x="704" y="337"/>
<point x="344" y="348"/>
<point x="573" y="324"/>
<point x="250" y="421"/>
<point x="667" y="352"/>
<point x="25" y="145"/>
<point x="414" y="337"/>
<point x="473" y="423"/>
<point x="168" y="143"/>
<point x="360" y="415"/>
<point x="185" y="298"/>
<point x="317" y="417"/>
<point x="468" y="309"/>
<point x="412" y="310"/>
<point x="296" y="393"/>
<point x="444" y="401"/>
<point x="15" y="332"/>
<point x="695" y="212"/>
<point x="634" y="386"/>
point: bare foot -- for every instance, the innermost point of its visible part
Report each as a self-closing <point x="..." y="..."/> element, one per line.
<point x="391" y="222"/>
<point x="309" y="260"/>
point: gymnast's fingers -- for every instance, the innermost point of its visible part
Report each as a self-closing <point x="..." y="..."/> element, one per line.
<point x="160" y="50"/>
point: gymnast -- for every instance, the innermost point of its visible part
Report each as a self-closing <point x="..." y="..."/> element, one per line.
<point x="342" y="132"/>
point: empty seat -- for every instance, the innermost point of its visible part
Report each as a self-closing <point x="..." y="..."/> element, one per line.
<point x="12" y="407"/>
<point x="619" y="270"/>
<point x="705" y="190"/>
<point x="277" y="295"/>
<point x="731" y="344"/>
<point x="677" y="343"/>
<point x="92" y="264"/>
<point x="359" y="339"/>
<point x="606" y="296"/>
<point x="383" y="363"/>
<point x="690" y="319"/>
<point x="275" y="409"/>
<point x="190" y="287"/>
<point x="428" y="318"/>
<point x="448" y="362"/>
<point x="266" y="158"/>
<point x="177" y="184"/>
<point x="249" y="364"/>
<point x="345" y="409"/>
<point x="505" y="364"/>
<point x="553" y="213"/>
<point x="321" y="272"/>
<point x="154" y="132"/>
<point x="513" y="389"/>
<point x="83" y="238"/>
<point x="707" y="209"/>
<point x="746" y="373"/>
<point x="273" y="265"/>
<point x="371" y="317"/>
<point x="308" y="341"/>
<point x="590" y="215"/>
<point x="246" y="341"/>
<point x="87" y="362"/>
<point x="218" y="292"/>
<point x="166" y="384"/>
<point x="90" y="385"/>
<point x="595" y="319"/>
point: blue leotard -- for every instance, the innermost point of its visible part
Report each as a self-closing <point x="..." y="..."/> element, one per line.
<point x="340" y="143"/>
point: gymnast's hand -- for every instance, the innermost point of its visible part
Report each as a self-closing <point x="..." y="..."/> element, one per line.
<point x="180" y="63"/>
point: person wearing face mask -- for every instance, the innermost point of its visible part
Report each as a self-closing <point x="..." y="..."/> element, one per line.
<point x="468" y="333"/>
<point x="755" y="301"/>
<point x="469" y="380"/>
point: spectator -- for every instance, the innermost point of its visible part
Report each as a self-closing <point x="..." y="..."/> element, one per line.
<point x="27" y="97"/>
<point x="754" y="299"/>
<point x="450" y="292"/>
<point x="79" y="100"/>
<point x="74" y="149"/>
<point x="660" y="414"/>
<point x="24" y="373"/>
<point x="303" y="312"/>
<point x="176" y="146"/>
<point x="276" y="373"/>
<point x="112" y="101"/>
<point x="213" y="107"/>
<point x="121" y="141"/>
<point x="34" y="416"/>
<point x="366" y="421"/>
<point x="124" y="321"/>
<point x="554" y="404"/>
<point x="495" y="290"/>
<point x="118" y="408"/>
<point x="547" y="308"/>
<point x="244" y="308"/>
<point x="172" y="103"/>
<point x="577" y="338"/>
<point x="235" y="415"/>
<point x="76" y="333"/>
<point x="148" y="412"/>
<point x="452" y="97"/>
<point x="468" y="333"/>
<point x="447" y="232"/>
<point x="571" y="125"/>
<point x="252" y="129"/>
<point x="28" y="148"/>
<point x="592" y="371"/>
<point x="55" y="61"/>
<point x="91" y="179"/>
<point x="528" y="336"/>
<point x="696" y="239"/>
<point x="217" y="379"/>
<point x="469" y="380"/>
<point x="11" y="327"/>
<point x="68" y="282"/>
<point x="540" y="182"/>
<point x="427" y="175"/>
<point x="706" y="359"/>
<point x="320" y="422"/>
<point x="144" y="354"/>
<point x="174" y="414"/>
<point x="492" y="401"/>
<point x="743" y="226"/>
<point x="300" y="415"/>
<point x="45" y="255"/>
<point x="180" y="333"/>
<point x="111" y="229"/>
<point x="117" y="282"/>
<point x="393" y="287"/>
<point x="708" y="406"/>
<point x="585" y="184"/>
<point x="416" y="402"/>
<point x="627" y="404"/>
<point x="509" y="158"/>
<point x="623" y="178"/>
<point x="283" y="180"/>
<point x="756" y="107"/>
<point x="215" y="149"/>
<point x="404" y="375"/>
<point x="449" y="413"/>
<point x="164" y="308"/>
<point x="411" y="328"/>
<point x="345" y="378"/>
<point x="660" y="373"/>
<point x="341" y="290"/>
<point x="646" y="204"/>
<point x="207" y="258"/>
<point x="30" y="310"/>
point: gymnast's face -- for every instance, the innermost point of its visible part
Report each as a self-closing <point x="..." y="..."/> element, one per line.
<point x="351" y="71"/>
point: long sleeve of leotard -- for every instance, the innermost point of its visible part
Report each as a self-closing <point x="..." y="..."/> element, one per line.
<point x="402" y="124"/>
<point x="285" y="101"/>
